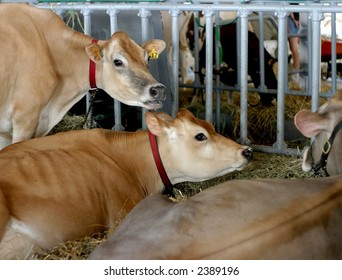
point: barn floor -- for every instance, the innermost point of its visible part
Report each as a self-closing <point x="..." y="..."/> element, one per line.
<point x="263" y="166"/>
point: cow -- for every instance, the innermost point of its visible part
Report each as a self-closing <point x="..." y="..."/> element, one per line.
<point x="248" y="219"/>
<point x="228" y="73"/>
<point x="324" y="127"/>
<point x="238" y="219"/>
<point x="48" y="67"/>
<point x="72" y="184"/>
<point x="186" y="58"/>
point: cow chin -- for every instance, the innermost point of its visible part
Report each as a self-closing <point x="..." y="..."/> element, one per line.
<point x="152" y="105"/>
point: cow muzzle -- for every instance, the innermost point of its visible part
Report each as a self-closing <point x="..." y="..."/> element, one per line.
<point x="248" y="153"/>
<point x="157" y="95"/>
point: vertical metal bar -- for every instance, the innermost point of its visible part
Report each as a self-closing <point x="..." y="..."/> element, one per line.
<point x="316" y="59"/>
<point x="175" y="60"/>
<point x="87" y="30"/>
<point x="209" y="65"/>
<point x="117" y="105"/>
<point x="196" y="48"/>
<point x="144" y="15"/>
<point x="217" y="68"/>
<point x="282" y="55"/>
<point x="333" y="53"/>
<point x="262" y="86"/>
<point x="238" y="52"/>
<point x="243" y="77"/>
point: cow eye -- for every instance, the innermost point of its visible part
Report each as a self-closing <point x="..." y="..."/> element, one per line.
<point x="118" y="63"/>
<point x="200" y="137"/>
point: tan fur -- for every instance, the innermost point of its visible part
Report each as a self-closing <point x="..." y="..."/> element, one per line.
<point x="319" y="126"/>
<point x="45" y="70"/>
<point x="72" y="184"/>
<point x="241" y="219"/>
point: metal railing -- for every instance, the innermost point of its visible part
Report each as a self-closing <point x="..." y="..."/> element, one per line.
<point x="313" y="10"/>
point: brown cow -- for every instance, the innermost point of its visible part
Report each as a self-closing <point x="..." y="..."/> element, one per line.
<point x="325" y="130"/>
<point x="72" y="184"/>
<point x="240" y="219"/>
<point x="45" y="69"/>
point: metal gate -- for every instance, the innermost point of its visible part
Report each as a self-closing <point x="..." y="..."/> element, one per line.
<point x="312" y="11"/>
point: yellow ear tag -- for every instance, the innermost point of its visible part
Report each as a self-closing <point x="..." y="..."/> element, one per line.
<point x="153" y="54"/>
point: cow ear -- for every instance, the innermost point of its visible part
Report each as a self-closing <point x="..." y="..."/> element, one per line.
<point x="94" y="52"/>
<point x="156" y="122"/>
<point x="154" y="45"/>
<point x="309" y="123"/>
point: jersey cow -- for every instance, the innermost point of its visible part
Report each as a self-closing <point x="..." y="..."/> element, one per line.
<point x="324" y="127"/>
<point x="72" y="184"/>
<point x="47" y="67"/>
<point x="240" y="219"/>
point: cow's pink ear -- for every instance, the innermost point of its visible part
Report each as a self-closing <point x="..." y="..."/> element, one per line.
<point x="94" y="52"/>
<point x="309" y="123"/>
<point x="157" y="121"/>
<point x="154" y="45"/>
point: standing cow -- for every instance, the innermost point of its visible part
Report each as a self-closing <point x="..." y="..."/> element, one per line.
<point x="46" y="67"/>
<point x="228" y="74"/>
<point x="72" y="184"/>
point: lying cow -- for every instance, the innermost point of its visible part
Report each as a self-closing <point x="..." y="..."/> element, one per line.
<point x="240" y="219"/>
<point x="46" y="67"/>
<point x="72" y="184"/>
<point x="325" y="130"/>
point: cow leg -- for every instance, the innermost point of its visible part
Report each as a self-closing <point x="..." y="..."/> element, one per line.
<point x="4" y="215"/>
<point x="24" y="127"/>
<point x="16" y="245"/>
<point x="5" y="139"/>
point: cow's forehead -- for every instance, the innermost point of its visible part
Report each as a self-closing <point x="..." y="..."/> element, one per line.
<point x="127" y="46"/>
<point x="187" y="117"/>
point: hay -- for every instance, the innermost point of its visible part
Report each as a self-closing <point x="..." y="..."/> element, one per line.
<point x="69" y="122"/>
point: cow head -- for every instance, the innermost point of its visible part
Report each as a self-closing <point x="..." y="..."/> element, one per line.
<point x="191" y="150"/>
<point x="186" y="65"/>
<point x="122" y="70"/>
<point x="325" y="130"/>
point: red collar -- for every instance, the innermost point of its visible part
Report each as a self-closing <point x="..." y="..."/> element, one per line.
<point x="168" y="190"/>
<point x="92" y="70"/>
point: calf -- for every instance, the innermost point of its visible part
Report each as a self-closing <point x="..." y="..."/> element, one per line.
<point x="72" y="184"/>
<point x="324" y="127"/>
<point x="47" y="67"/>
<point x="240" y="219"/>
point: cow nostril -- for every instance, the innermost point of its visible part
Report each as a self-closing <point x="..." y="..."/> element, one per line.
<point x="248" y="153"/>
<point x="157" y="91"/>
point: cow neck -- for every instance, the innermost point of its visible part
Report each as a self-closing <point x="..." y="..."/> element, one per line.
<point x="168" y="187"/>
<point x="322" y="164"/>
<point x="92" y="71"/>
